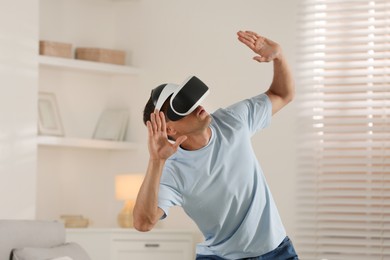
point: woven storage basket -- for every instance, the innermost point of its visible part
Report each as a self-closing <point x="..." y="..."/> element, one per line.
<point x="57" y="49"/>
<point x="101" y="55"/>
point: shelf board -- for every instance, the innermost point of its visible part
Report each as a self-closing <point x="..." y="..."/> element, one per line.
<point x="87" y="65"/>
<point x="54" y="141"/>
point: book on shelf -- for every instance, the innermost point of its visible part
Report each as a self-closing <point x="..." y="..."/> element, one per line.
<point x="112" y="125"/>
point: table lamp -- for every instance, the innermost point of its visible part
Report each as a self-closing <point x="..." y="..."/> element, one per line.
<point x="126" y="188"/>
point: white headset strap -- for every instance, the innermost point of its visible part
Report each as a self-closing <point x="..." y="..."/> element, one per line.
<point x="168" y="90"/>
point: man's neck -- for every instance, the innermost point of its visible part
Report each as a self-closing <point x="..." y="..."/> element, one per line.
<point x="196" y="142"/>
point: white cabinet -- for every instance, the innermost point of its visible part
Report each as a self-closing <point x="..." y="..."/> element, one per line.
<point x="164" y="250"/>
<point x="123" y="244"/>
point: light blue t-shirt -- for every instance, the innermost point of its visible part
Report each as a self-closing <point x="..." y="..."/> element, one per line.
<point x="222" y="187"/>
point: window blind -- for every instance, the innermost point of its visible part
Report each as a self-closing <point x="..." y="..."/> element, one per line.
<point x="344" y="130"/>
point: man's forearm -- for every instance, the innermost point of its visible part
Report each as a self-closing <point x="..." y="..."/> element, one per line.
<point x="283" y="82"/>
<point x="146" y="212"/>
<point x="282" y="88"/>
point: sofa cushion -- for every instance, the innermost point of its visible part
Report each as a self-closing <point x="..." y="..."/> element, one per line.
<point x="29" y="233"/>
<point x="64" y="251"/>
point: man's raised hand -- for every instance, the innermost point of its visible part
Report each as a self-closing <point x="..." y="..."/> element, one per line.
<point x="159" y="146"/>
<point x="266" y="49"/>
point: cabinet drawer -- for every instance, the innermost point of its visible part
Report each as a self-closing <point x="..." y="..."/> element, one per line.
<point x="150" y="250"/>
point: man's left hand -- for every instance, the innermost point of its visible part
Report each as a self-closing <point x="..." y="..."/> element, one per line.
<point x="266" y="49"/>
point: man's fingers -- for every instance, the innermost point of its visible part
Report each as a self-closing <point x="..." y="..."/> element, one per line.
<point x="246" y="36"/>
<point x="250" y="44"/>
<point x="153" y="122"/>
<point x="150" y="129"/>
<point x="253" y="35"/>
<point x="163" y="122"/>
<point x="251" y="39"/>
<point x="262" y="59"/>
<point x="158" y="120"/>
<point x="250" y="36"/>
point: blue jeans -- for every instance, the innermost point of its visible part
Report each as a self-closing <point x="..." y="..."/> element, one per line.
<point x="285" y="251"/>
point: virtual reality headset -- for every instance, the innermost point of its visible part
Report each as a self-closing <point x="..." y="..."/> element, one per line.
<point x="183" y="99"/>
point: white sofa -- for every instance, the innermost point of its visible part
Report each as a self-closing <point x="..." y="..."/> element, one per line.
<point x="36" y="240"/>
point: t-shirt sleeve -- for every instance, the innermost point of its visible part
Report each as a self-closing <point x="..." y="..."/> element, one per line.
<point x="256" y="112"/>
<point x="168" y="195"/>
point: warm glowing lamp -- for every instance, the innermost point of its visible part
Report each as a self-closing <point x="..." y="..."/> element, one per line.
<point x="126" y="188"/>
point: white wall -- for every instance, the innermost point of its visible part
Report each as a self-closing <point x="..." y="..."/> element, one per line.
<point x="18" y="86"/>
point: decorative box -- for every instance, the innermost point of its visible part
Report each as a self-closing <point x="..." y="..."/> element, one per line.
<point x="57" y="49"/>
<point x="74" y="221"/>
<point x="101" y="55"/>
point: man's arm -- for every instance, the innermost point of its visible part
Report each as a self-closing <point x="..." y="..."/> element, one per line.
<point x="146" y="211"/>
<point x="282" y="88"/>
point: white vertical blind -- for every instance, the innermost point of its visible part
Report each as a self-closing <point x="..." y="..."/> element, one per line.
<point x="344" y="125"/>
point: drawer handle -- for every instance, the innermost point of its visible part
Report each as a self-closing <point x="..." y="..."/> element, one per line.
<point x="152" y="245"/>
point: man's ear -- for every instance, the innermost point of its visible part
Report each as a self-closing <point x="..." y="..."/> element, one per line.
<point x="170" y="130"/>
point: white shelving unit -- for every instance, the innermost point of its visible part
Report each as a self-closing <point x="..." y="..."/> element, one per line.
<point x="53" y="141"/>
<point x="76" y="173"/>
<point x="88" y="66"/>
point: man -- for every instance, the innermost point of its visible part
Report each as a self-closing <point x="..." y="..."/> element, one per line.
<point x="211" y="171"/>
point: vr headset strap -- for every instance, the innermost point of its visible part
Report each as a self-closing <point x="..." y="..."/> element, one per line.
<point x="168" y="90"/>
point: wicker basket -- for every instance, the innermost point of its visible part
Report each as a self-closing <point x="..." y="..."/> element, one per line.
<point x="101" y="55"/>
<point x="57" y="49"/>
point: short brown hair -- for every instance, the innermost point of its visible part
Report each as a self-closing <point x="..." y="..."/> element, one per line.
<point x="149" y="109"/>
